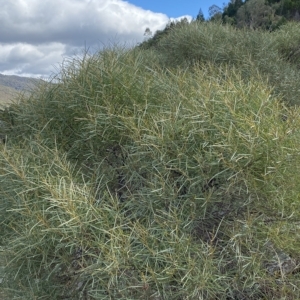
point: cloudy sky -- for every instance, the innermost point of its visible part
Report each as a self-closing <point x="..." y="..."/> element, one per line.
<point x="36" y="35"/>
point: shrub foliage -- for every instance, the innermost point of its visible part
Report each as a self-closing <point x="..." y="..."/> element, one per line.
<point x="129" y="178"/>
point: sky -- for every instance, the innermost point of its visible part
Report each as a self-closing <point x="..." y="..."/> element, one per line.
<point x="177" y="8"/>
<point x="36" y="36"/>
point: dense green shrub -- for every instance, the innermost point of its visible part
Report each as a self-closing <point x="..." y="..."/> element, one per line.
<point x="125" y="179"/>
<point x="253" y="52"/>
<point x="288" y="43"/>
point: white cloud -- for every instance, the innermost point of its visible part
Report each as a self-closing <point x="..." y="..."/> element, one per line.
<point x="37" y="34"/>
<point x="189" y="18"/>
<point x="30" y="60"/>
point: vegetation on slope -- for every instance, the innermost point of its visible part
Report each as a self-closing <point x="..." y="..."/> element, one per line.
<point x="273" y="56"/>
<point x="162" y="173"/>
<point x="11" y="85"/>
<point x="263" y="14"/>
<point x="18" y="83"/>
<point x="7" y="95"/>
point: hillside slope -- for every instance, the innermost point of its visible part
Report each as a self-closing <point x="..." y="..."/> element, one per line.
<point x="18" y="83"/>
<point x="11" y="85"/>
<point x="7" y="94"/>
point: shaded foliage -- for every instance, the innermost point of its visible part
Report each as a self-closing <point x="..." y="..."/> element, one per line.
<point x="264" y="14"/>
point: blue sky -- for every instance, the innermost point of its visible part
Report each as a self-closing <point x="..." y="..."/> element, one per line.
<point x="177" y="8"/>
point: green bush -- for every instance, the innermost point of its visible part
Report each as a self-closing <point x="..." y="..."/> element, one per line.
<point x="253" y="52"/>
<point x="288" y="42"/>
<point x="123" y="179"/>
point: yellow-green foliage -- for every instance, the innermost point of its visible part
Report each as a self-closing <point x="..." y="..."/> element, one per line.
<point x="272" y="55"/>
<point x="125" y="180"/>
<point x="287" y="41"/>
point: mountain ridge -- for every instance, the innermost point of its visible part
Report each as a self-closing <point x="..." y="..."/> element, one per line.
<point x="18" y="83"/>
<point x="11" y="85"/>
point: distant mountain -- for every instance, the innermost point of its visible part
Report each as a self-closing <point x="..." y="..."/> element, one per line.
<point x="7" y="94"/>
<point x="10" y="85"/>
<point x="17" y="82"/>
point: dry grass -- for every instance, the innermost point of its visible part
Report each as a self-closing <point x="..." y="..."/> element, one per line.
<point x="7" y="95"/>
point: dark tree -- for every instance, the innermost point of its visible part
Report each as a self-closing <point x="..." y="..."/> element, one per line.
<point x="214" y="10"/>
<point x="200" y="16"/>
<point x="231" y="9"/>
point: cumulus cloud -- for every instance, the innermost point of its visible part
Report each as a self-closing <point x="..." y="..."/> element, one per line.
<point x="36" y="35"/>
<point x="30" y="60"/>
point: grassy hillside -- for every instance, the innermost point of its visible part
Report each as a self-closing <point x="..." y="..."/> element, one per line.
<point x="273" y="56"/>
<point x="162" y="172"/>
<point x="18" y="83"/>
<point x="7" y="94"/>
<point x="11" y="86"/>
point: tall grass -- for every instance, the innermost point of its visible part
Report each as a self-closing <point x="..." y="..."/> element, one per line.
<point x="125" y="180"/>
<point x="274" y="56"/>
